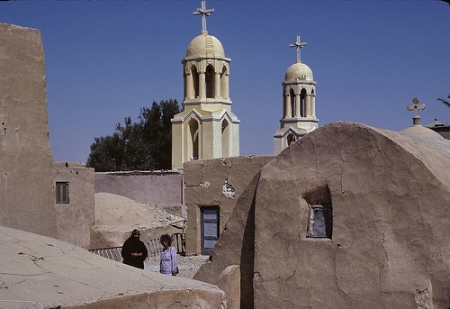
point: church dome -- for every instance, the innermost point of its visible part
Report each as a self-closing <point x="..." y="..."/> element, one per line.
<point x="421" y="131"/>
<point x="205" y="45"/>
<point x="298" y="71"/>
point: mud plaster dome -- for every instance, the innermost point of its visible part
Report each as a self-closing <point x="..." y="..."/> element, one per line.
<point x="205" y="45"/>
<point x="298" y="71"/>
<point x="389" y="248"/>
<point x="42" y="272"/>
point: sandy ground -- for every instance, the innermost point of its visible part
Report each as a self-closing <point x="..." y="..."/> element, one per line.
<point x="188" y="265"/>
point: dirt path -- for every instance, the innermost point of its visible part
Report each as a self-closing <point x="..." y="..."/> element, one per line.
<point x="188" y="265"/>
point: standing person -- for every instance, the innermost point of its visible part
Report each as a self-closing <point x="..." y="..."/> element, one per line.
<point x="168" y="264"/>
<point x="134" y="251"/>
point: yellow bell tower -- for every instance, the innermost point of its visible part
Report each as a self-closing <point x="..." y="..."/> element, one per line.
<point x="206" y="128"/>
<point x="299" y="103"/>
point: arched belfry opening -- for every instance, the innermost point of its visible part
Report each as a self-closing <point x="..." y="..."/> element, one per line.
<point x="195" y="81"/>
<point x="206" y="128"/>
<point x="312" y="104"/>
<point x="209" y="82"/>
<point x="302" y="103"/>
<point x="293" y="104"/>
<point x="224" y="83"/>
<point x="298" y="103"/>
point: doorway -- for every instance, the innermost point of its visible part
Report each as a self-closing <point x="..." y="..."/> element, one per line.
<point x="209" y="221"/>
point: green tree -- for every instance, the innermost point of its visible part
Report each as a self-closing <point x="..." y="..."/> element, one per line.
<point x="143" y="145"/>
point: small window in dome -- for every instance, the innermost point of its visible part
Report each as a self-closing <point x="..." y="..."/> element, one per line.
<point x="320" y="221"/>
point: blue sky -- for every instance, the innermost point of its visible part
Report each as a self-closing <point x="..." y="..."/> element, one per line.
<point x="107" y="59"/>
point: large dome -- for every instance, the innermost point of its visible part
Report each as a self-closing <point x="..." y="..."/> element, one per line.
<point x="205" y="45"/>
<point x="298" y="71"/>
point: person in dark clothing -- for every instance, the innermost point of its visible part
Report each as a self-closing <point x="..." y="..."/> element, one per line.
<point x="134" y="251"/>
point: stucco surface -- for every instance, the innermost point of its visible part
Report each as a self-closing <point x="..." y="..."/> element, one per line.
<point x="26" y="180"/>
<point x="42" y="272"/>
<point x="205" y="181"/>
<point x="389" y="247"/>
<point x="75" y="219"/>
<point x="150" y="187"/>
<point x="235" y="247"/>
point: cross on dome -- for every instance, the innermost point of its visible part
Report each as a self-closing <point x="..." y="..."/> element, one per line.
<point x="299" y="45"/>
<point x="415" y="106"/>
<point x="204" y="12"/>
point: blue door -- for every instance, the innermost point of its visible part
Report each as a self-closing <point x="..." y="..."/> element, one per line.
<point x="209" y="228"/>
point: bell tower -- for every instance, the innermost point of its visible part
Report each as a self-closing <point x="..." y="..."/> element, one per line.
<point x="299" y="103"/>
<point x="206" y="128"/>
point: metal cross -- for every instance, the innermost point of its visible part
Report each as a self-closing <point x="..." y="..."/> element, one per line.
<point x="297" y="44"/>
<point x="204" y="12"/>
<point x="416" y="107"/>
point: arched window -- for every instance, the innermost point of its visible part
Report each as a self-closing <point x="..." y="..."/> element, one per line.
<point x="312" y="104"/>
<point x="209" y="81"/>
<point x="224" y="83"/>
<point x="193" y="145"/>
<point x="290" y="139"/>
<point x="195" y="81"/>
<point x="320" y="222"/>
<point x="293" y="103"/>
<point x="303" y="103"/>
<point x="225" y="139"/>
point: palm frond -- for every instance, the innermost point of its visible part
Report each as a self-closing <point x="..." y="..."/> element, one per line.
<point x="444" y="101"/>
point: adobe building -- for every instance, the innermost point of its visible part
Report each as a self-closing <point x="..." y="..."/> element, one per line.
<point x="27" y="196"/>
<point x="349" y="216"/>
<point x="37" y="195"/>
<point x="299" y="103"/>
<point x="74" y="202"/>
<point x="57" y="199"/>
<point x="161" y="187"/>
<point x="206" y="128"/>
<point x="212" y="189"/>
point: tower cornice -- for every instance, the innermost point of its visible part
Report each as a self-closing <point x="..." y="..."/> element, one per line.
<point x="200" y="58"/>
